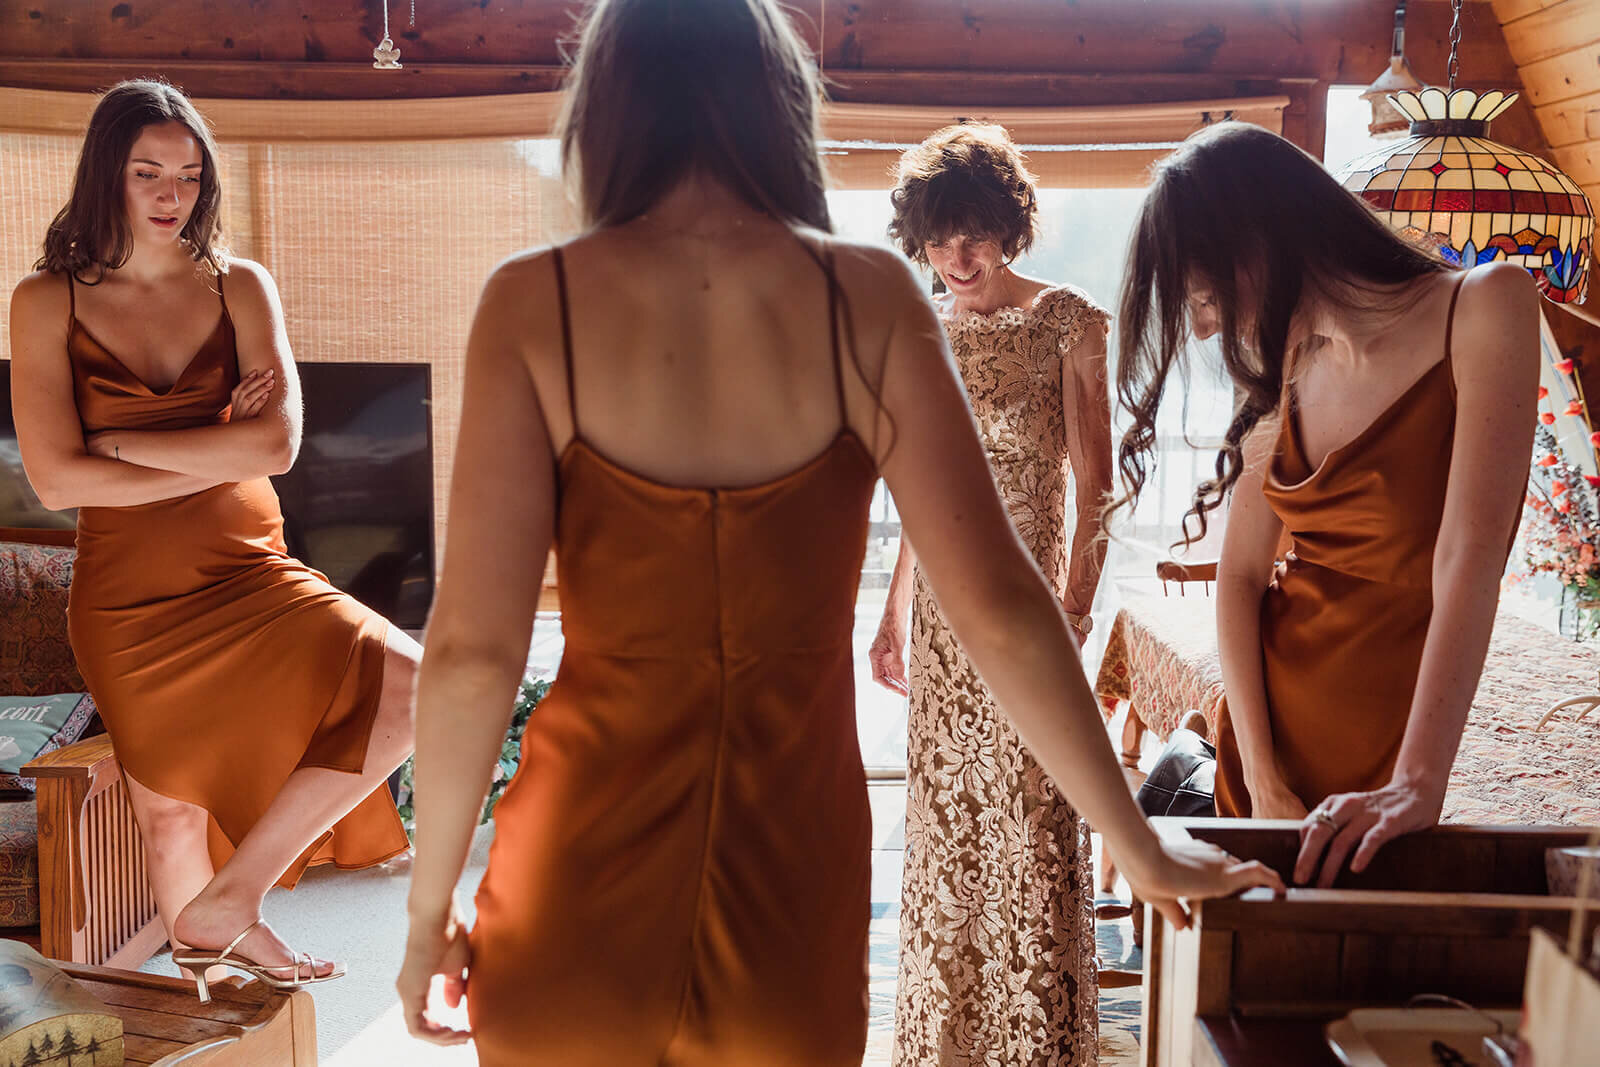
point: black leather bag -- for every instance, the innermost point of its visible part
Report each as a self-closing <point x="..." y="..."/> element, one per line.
<point x="1183" y="781"/>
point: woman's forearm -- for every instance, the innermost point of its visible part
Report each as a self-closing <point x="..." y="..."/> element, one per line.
<point x="902" y="584"/>
<point x="1243" y="676"/>
<point x="1087" y="557"/>
<point x="226" y="452"/>
<point x="91" y="482"/>
<point x="464" y="705"/>
<point x="1466" y="595"/>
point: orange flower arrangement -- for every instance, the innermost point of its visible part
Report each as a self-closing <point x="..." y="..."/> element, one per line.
<point x="1561" y="526"/>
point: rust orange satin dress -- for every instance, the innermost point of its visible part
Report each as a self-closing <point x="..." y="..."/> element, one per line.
<point x="220" y="664"/>
<point x="681" y="868"/>
<point x="1344" y="621"/>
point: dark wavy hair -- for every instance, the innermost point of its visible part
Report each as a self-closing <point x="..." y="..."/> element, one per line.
<point x="1249" y="216"/>
<point x="663" y="88"/>
<point x="968" y="178"/>
<point x="91" y="233"/>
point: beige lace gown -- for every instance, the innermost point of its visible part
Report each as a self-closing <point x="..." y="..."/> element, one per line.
<point x="997" y="958"/>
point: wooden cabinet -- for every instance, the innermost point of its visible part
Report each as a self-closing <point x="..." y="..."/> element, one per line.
<point x="1445" y="911"/>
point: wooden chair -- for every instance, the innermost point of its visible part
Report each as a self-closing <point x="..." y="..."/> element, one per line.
<point x="95" y="901"/>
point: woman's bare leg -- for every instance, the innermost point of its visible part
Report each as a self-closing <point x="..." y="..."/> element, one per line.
<point x="175" y="853"/>
<point x="176" y="856"/>
<point x="310" y="802"/>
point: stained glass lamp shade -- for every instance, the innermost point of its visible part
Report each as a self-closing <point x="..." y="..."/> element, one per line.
<point x="1476" y="199"/>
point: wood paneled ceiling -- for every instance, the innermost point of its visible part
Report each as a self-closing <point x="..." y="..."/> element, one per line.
<point x="1556" y="46"/>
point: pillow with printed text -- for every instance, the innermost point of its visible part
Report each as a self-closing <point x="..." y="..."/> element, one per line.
<point x="32" y="726"/>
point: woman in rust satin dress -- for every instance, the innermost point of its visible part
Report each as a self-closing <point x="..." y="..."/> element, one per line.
<point x="693" y="401"/>
<point x="1386" y="424"/>
<point x="255" y="709"/>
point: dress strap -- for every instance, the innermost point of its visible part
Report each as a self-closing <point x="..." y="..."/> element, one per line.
<point x="72" y="299"/>
<point x="566" y="335"/>
<point x="833" y="334"/>
<point x="220" y="296"/>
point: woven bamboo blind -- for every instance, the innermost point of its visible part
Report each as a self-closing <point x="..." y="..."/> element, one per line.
<point x="380" y="219"/>
<point x="379" y="249"/>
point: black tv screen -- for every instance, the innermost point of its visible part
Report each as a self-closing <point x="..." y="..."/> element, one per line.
<point x="358" y="504"/>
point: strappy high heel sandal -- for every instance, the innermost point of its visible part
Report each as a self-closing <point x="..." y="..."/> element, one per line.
<point x="197" y="960"/>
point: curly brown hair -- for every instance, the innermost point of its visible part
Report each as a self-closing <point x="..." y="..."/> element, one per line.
<point x="969" y="179"/>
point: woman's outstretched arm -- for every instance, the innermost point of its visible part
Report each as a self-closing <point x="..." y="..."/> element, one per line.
<point x="501" y="523"/>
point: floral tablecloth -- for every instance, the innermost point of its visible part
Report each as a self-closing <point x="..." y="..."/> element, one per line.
<point x="1161" y="656"/>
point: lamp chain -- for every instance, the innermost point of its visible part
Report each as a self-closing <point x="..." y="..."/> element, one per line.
<point x="1455" y="42"/>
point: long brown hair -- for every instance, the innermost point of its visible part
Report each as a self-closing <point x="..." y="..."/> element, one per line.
<point x="1237" y="203"/>
<point x="662" y="88"/>
<point x="91" y="233"/>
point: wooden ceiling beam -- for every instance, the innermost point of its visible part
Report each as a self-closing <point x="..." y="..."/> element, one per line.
<point x="1552" y="30"/>
<point x="219" y="79"/>
<point x="1562" y="77"/>
<point x="1334" y="42"/>
<point x="1571" y="121"/>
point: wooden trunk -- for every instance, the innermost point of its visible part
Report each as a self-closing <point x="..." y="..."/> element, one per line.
<point x="1255" y="978"/>
<point x="245" y="1025"/>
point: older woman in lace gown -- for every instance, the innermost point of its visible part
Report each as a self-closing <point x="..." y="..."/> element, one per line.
<point x="996" y="931"/>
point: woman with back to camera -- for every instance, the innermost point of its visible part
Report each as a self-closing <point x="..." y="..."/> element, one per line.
<point x="693" y="400"/>
<point x="990" y="970"/>
<point x="1386" y="423"/>
<point x="251" y="704"/>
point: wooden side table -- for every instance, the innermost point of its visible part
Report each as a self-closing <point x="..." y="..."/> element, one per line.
<point x="164" y="1024"/>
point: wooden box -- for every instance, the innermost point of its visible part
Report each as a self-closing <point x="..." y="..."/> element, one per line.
<point x="1256" y="977"/>
<point x="165" y="1025"/>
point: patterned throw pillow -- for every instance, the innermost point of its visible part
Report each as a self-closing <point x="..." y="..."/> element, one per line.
<point x="35" y="655"/>
<point x="31" y="726"/>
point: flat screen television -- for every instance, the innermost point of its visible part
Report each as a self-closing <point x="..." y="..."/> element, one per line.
<point x="358" y="504"/>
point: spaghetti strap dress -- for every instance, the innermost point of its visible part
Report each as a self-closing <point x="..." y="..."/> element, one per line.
<point x="220" y="663"/>
<point x="1344" y="620"/>
<point x="681" y="867"/>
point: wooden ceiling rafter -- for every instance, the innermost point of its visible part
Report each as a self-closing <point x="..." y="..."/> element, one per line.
<point x="1556" y="46"/>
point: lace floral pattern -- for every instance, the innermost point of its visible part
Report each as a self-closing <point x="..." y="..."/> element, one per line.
<point x="997" y="932"/>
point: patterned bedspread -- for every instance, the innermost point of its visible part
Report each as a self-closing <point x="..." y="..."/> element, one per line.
<point x="1162" y="656"/>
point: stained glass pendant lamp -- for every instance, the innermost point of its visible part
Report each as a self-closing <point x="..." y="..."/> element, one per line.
<point x="1477" y="200"/>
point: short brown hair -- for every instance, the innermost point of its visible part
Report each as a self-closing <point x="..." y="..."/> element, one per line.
<point x="662" y="88"/>
<point x="971" y="179"/>
<point x="91" y="232"/>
